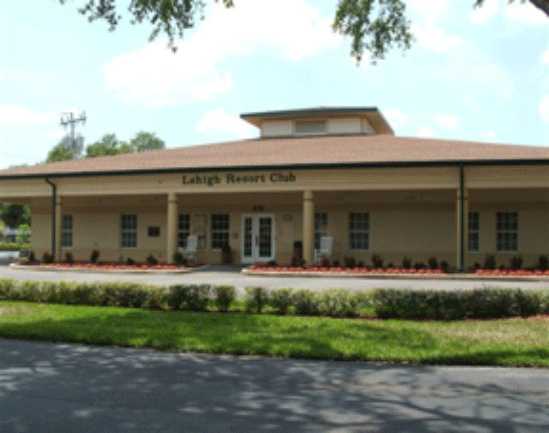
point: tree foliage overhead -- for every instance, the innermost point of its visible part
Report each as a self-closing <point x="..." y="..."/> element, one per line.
<point x="374" y="26"/>
<point x="144" y="141"/>
<point x="66" y="149"/>
<point x="108" y="145"/>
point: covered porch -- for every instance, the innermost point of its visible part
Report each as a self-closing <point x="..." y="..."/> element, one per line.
<point x="277" y="226"/>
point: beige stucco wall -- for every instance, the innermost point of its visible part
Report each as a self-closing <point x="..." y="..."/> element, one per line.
<point x="413" y="224"/>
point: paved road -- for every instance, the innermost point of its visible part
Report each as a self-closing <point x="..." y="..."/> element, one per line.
<point x="221" y="275"/>
<point x="65" y="388"/>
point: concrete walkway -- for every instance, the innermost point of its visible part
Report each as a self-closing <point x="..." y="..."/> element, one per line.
<point x="68" y="388"/>
<point x="231" y="275"/>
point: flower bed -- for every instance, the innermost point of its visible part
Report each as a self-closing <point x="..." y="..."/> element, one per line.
<point x="106" y="267"/>
<point x="264" y="268"/>
<point x="512" y="272"/>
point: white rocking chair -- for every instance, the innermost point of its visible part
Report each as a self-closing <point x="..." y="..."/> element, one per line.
<point x="325" y="250"/>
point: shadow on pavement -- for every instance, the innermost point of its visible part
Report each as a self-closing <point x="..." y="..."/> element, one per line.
<point x="65" y="388"/>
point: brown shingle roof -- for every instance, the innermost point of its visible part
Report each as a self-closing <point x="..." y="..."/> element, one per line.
<point x="279" y="152"/>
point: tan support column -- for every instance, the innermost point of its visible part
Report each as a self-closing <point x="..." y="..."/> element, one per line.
<point x="171" y="227"/>
<point x="58" y="229"/>
<point x="308" y="227"/>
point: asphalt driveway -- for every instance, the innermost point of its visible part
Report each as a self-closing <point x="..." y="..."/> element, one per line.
<point x="68" y="388"/>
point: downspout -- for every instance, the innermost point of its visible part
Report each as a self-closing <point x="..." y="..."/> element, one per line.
<point x="462" y="217"/>
<point x="53" y="216"/>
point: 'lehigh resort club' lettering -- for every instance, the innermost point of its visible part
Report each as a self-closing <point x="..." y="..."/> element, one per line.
<point x="237" y="179"/>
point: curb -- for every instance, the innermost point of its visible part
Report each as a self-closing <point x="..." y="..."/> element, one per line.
<point x="104" y="271"/>
<point x="373" y="276"/>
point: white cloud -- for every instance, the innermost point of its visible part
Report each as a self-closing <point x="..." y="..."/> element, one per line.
<point x="229" y="125"/>
<point x="447" y="121"/>
<point x="396" y="117"/>
<point x="525" y="13"/>
<point x="429" y="10"/>
<point x="545" y="57"/>
<point x="486" y="12"/>
<point x="435" y="38"/>
<point x="425" y="132"/>
<point x="17" y="115"/>
<point x="544" y="108"/>
<point x="154" y="76"/>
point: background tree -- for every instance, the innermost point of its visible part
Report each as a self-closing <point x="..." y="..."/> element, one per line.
<point x="66" y="150"/>
<point x="375" y="26"/>
<point x="14" y="215"/>
<point x="108" y="145"/>
<point x="146" y="141"/>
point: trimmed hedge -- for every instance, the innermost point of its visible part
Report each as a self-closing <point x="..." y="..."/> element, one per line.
<point x="13" y="246"/>
<point x="460" y="304"/>
<point x="386" y="303"/>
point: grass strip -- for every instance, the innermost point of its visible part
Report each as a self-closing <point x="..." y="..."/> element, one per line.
<point x="509" y="342"/>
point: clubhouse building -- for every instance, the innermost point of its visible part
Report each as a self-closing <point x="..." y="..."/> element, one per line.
<point x="337" y="174"/>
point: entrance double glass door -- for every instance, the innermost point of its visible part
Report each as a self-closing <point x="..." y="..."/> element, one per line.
<point x="258" y="238"/>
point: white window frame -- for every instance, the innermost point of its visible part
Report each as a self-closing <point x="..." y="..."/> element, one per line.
<point x="67" y="231"/>
<point x="354" y="230"/>
<point x="473" y="231"/>
<point x="133" y="231"/>
<point x="214" y="231"/>
<point x="506" y="228"/>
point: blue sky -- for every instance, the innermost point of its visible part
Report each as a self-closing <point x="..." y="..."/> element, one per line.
<point x="472" y="74"/>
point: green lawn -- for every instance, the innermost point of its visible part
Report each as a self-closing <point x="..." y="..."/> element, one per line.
<point x="517" y="342"/>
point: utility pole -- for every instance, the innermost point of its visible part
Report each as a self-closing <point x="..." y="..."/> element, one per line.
<point x="69" y="120"/>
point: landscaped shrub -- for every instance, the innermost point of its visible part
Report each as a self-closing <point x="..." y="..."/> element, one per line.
<point x="325" y="262"/>
<point x="444" y="266"/>
<point x="224" y="297"/>
<point x="124" y="295"/>
<point x="433" y="263"/>
<point x="47" y="258"/>
<point x="179" y="259"/>
<point x="543" y="263"/>
<point x="339" y="303"/>
<point x="306" y="302"/>
<point x="256" y="299"/>
<point x="490" y="262"/>
<point x="516" y="262"/>
<point x="419" y="265"/>
<point x="94" y="257"/>
<point x="456" y="305"/>
<point x="152" y="260"/>
<point x="281" y="300"/>
<point x="350" y="262"/>
<point x="130" y="261"/>
<point x="377" y="261"/>
<point x="69" y="258"/>
<point x="14" y="246"/>
<point x="189" y="297"/>
<point x="6" y="288"/>
<point x="406" y="263"/>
